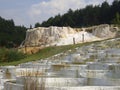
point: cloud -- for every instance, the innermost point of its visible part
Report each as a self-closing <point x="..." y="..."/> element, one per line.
<point x="19" y="16"/>
<point x="45" y="9"/>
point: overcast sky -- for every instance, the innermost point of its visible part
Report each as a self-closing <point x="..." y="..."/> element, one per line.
<point x="26" y="12"/>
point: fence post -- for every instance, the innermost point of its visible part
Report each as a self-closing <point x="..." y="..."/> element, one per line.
<point x="82" y="37"/>
<point x="73" y="40"/>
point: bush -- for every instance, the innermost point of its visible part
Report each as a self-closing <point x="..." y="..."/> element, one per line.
<point x="9" y="55"/>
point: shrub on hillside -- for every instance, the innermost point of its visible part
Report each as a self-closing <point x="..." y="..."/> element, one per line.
<point x="9" y="55"/>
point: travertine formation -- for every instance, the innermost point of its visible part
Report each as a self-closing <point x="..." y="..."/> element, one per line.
<point x="41" y="37"/>
<point x="103" y="31"/>
<point x="95" y="66"/>
<point x="44" y="36"/>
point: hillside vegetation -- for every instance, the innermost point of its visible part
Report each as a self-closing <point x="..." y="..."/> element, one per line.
<point x="15" y="58"/>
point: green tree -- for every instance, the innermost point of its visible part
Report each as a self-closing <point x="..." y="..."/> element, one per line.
<point x="37" y="24"/>
<point x="104" y="12"/>
<point x="11" y="35"/>
<point x="30" y="26"/>
<point x="57" y="21"/>
<point x="116" y="20"/>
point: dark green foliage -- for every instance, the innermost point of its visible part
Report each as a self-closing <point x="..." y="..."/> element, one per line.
<point x="11" y="35"/>
<point x="88" y="16"/>
<point x="9" y="55"/>
<point x="105" y="12"/>
<point x="37" y="25"/>
<point x="116" y="20"/>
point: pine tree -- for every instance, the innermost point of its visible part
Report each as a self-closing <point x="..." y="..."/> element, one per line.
<point x="116" y="20"/>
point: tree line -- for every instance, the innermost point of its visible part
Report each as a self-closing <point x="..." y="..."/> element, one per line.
<point x="11" y="35"/>
<point x="88" y="16"/>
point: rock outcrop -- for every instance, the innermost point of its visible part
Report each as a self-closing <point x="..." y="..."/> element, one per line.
<point x="45" y="36"/>
<point x="41" y="37"/>
<point x="104" y="31"/>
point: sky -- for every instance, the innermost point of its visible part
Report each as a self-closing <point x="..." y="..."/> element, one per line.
<point x="29" y="12"/>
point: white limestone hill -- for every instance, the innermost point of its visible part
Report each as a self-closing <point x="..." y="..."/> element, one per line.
<point x="41" y="37"/>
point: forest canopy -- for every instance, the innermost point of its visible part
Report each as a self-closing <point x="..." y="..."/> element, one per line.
<point x="88" y="16"/>
<point x="11" y="35"/>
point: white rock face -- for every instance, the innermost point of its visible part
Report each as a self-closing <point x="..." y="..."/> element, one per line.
<point x="104" y="31"/>
<point x="56" y="36"/>
<point x="44" y="36"/>
<point x="66" y="35"/>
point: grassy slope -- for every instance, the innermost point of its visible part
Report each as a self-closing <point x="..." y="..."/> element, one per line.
<point x="46" y="52"/>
